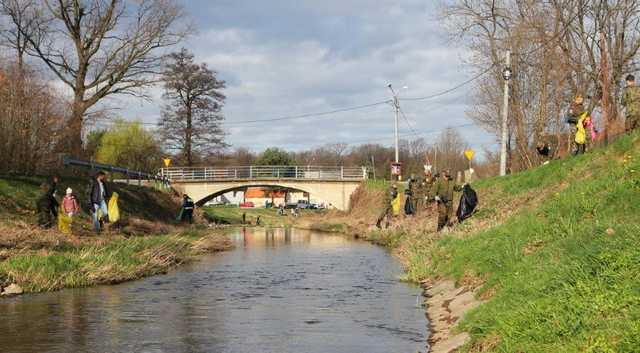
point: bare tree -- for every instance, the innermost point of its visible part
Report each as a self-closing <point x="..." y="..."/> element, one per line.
<point x="191" y="121"/>
<point x="23" y="16"/>
<point x="30" y="127"/>
<point x="556" y="56"/>
<point x="450" y="147"/>
<point x="98" y="48"/>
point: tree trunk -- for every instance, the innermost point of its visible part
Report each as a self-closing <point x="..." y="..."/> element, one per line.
<point x="73" y="137"/>
<point x="188" y="138"/>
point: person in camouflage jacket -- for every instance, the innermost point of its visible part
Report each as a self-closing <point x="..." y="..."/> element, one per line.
<point x="631" y="101"/>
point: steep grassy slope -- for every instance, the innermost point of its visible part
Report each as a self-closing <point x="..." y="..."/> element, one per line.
<point x="555" y="251"/>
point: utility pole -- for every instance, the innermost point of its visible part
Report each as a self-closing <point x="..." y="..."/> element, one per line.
<point x="373" y="166"/>
<point x="396" y="108"/>
<point x="604" y="76"/>
<point x="506" y="75"/>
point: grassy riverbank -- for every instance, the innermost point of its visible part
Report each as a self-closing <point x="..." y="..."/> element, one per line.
<point x="552" y="254"/>
<point x="46" y="261"/>
<point x="146" y="242"/>
<point x="232" y="215"/>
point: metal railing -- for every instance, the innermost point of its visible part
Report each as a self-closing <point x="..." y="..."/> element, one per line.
<point x="265" y="173"/>
<point x="128" y="173"/>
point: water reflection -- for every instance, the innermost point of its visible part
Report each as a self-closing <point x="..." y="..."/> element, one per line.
<point x="280" y="290"/>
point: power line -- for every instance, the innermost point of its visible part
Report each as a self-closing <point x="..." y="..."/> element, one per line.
<point x="309" y="115"/>
<point x="407" y="120"/>
<point x="454" y="88"/>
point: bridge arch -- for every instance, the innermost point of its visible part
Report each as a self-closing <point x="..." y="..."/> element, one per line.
<point x="206" y="199"/>
<point x="337" y="193"/>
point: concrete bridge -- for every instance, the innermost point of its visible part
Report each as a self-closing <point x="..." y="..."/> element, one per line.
<point x="330" y="185"/>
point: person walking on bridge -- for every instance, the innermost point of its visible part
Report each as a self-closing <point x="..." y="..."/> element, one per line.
<point x="444" y="189"/>
<point x="387" y="205"/>
<point x="631" y="101"/>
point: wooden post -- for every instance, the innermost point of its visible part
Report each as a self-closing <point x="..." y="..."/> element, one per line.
<point x="604" y="81"/>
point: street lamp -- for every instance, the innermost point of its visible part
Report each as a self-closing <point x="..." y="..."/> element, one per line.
<point x="507" y="73"/>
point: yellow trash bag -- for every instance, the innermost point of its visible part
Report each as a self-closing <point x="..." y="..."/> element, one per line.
<point x="581" y="133"/>
<point x="396" y="204"/>
<point x="114" y="211"/>
<point x="64" y="222"/>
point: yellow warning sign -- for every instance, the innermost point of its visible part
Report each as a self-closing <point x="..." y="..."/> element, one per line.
<point x="469" y="154"/>
<point x="167" y="162"/>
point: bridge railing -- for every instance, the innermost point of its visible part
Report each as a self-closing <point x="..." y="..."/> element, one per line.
<point x="265" y="172"/>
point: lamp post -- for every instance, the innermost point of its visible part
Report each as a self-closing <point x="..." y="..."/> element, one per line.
<point x="507" y="73"/>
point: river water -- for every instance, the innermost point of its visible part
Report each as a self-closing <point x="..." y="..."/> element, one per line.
<point x="278" y="291"/>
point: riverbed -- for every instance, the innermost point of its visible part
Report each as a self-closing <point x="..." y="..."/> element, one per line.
<point x="279" y="290"/>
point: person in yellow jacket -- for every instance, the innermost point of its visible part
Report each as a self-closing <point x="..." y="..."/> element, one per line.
<point x="577" y="116"/>
<point x="581" y="135"/>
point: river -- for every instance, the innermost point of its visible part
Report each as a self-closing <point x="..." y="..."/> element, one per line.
<point x="279" y="290"/>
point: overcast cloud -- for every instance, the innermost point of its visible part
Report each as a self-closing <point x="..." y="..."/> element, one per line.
<point x="283" y="58"/>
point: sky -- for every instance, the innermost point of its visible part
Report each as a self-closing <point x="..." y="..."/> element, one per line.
<point x="284" y="58"/>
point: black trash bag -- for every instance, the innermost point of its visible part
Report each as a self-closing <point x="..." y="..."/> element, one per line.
<point x="408" y="206"/>
<point x="468" y="203"/>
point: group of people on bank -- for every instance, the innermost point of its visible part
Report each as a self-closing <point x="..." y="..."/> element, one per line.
<point x="100" y="200"/>
<point x="422" y="193"/>
<point x="584" y="126"/>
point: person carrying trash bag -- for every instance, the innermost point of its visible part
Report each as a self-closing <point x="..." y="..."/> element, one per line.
<point x="468" y="203"/>
<point x="444" y="190"/>
<point x="99" y="194"/>
<point x="70" y="207"/>
<point x="409" y="209"/>
<point x="578" y="115"/>
<point x="388" y="206"/>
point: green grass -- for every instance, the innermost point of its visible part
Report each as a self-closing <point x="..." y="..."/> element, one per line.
<point x="18" y="195"/>
<point x="565" y="274"/>
<point x="40" y="260"/>
<point x="112" y="261"/>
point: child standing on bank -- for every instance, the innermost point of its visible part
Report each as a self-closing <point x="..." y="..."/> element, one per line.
<point x="70" y="207"/>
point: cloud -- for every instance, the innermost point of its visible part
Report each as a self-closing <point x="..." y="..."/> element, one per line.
<point x="283" y="58"/>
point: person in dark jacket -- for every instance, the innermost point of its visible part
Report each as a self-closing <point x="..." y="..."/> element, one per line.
<point x="52" y="188"/>
<point x="444" y="191"/>
<point x="387" y="205"/>
<point x="43" y="207"/>
<point x="187" y="209"/>
<point x="99" y="195"/>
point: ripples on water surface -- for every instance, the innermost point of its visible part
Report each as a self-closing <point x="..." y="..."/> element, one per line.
<point x="279" y="291"/>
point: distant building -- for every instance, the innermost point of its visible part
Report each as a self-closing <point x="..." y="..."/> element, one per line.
<point x="259" y="196"/>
